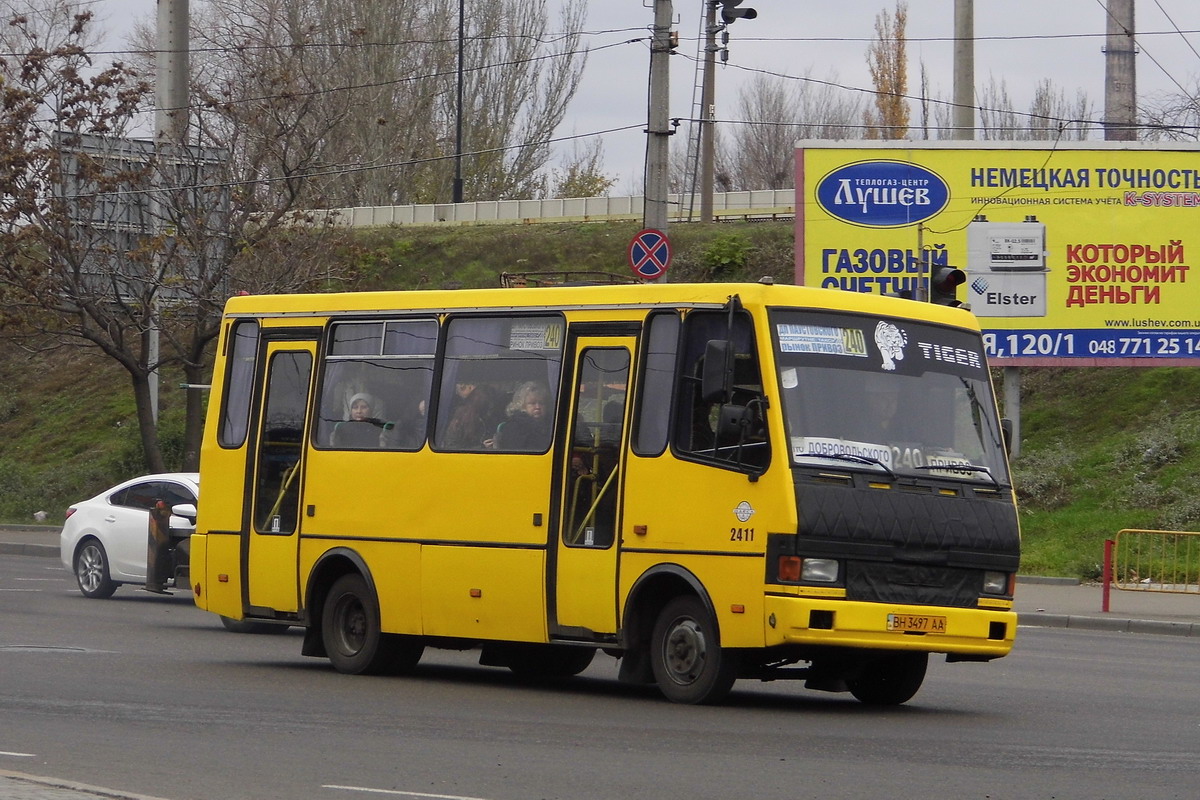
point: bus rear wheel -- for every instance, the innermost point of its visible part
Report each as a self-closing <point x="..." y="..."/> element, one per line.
<point x="689" y="664"/>
<point x="890" y="680"/>
<point x="353" y="639"/>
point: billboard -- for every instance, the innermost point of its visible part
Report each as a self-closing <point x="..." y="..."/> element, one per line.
<point x="1075" y="253"/>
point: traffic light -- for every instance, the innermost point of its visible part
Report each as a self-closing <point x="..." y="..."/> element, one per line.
<point x="943" y="285"/>
<point x="730" y="13"/>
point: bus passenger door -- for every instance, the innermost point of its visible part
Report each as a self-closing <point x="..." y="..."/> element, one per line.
<point x="590" y="449"/>
<point x="274" y="529"/>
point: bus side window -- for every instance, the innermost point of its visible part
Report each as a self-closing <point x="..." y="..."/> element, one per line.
<point x="386" y="366"/>
<point x="494" y="373"/>
<point x="239" y="384"/>
<point x="652" y="420"/>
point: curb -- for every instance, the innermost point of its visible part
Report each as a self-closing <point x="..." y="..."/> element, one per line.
<point x="1120" y="625"/>
<point x="18" y="549"/>
<point x="1047" y="580"/>
<point x="60" y="789"/>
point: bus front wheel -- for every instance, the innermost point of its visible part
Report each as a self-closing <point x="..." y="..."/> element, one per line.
<point x="891" y="679"/>
<point x="351" y="632"/>
<point x="689" y="664"/>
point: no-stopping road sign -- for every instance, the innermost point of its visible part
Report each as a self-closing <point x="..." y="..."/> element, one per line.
<point x="650" y="254"/>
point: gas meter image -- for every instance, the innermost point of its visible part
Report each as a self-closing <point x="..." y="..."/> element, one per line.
<point x="1006" y="265"/>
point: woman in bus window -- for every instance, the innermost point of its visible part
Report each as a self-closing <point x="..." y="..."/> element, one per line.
<point x="363" y="430"/>
<point x="527" y="428"/>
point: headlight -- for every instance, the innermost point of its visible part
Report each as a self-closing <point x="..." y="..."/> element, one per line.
<point x="821" y="570"/>
<point x="996" y="583"/>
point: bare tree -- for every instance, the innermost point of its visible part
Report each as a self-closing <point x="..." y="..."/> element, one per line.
<point x="1172" y="117"/>
<point x="581" y="173"/>
<point x="381" y="78"/>
<point x="1051" y="114"/>
<point x="520" y="81"/>
<point x="773" y="114"/>
<point x="887" y="58"/>
<point x="117" y="243"/>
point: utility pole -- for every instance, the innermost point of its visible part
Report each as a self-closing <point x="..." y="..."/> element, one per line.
<point x="709" y="105"/>
<point x="170" y="136"/>
<point x="1120" y="73"/>
<point x="171" y="73"/>
<point x="457" y="192"/>
<point x="658" y="124"/>
<point x="964" y="69"/>
<point x="730" y="13"/>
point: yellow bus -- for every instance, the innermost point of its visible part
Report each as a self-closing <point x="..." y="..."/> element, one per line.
<point x="708" y="482"/>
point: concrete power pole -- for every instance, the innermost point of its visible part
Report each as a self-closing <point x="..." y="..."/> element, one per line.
<point x="171" y="73"/>
<point x="170" y="130"/>
<point x="658" y="128"/>
<point x="709" y="121"/>
<point x="964" y="69"/>
<point x="1120" y="73"/>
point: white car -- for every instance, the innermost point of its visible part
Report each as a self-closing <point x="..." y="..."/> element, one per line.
<point x="104" y="540"/>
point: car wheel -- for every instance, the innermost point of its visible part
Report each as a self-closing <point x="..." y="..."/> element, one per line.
<point x="689" y="664"/>
<point x="353" y="639"/>
<point x="890" y="680"/>
<point x="91" y="570"/>
<point x="251" y="626"/>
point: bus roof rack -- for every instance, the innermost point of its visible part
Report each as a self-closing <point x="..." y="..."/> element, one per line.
<point x="566" y="277"/>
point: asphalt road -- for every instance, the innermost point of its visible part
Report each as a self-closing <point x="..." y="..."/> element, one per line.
<point x="149" y="695"/>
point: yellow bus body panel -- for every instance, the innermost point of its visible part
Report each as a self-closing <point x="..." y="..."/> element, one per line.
<point x="221" y="585"/>
<point x="484" y="593"/>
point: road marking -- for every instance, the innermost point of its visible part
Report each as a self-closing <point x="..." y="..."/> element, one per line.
<point x="401" y="794"/>
<point x="17" y="755"/>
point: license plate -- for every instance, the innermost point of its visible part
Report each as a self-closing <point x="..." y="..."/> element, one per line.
<point x="920" y="623"/>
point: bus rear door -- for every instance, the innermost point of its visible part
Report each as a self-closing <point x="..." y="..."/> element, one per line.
<point x="274" y="526"/>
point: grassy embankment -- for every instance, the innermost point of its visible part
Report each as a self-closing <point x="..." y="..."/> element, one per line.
<point x="1103" y="449"/>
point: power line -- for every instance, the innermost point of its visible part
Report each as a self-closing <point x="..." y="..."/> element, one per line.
<point x="1176" y="27"/>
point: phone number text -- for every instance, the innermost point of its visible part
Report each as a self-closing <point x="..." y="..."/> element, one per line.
<point x="1092" y="344"/>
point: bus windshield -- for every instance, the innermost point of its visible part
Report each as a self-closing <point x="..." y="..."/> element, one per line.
<point x="903" y="398"/>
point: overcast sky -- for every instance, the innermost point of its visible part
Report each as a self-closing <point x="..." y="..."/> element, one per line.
<point x="1018" y="41"/>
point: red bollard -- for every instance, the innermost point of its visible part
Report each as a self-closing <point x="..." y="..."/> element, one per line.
<point x="1108" y="574"/>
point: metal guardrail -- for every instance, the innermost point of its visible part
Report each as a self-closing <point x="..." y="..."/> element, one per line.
<point x="763" y="204"/>
<point x="1154" y="561"/>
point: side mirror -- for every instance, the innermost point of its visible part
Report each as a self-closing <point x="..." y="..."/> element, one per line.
<point x="185" y="510"/>
<point x="1006" y="429"/>
<point x="716" y="379"/>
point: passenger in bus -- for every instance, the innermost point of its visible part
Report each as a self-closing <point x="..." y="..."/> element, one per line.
<point x="880" y="409"/>
<point x="363" y="430"/>
<point x="474" y="414"/>
<point x="527" y="428"/>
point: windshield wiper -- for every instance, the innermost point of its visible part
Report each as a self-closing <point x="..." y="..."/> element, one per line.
<point x="856" y="459"/>
<point x="962" y="468"/>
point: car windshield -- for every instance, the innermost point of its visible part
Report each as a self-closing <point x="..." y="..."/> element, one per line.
<point x="895" y="396"/>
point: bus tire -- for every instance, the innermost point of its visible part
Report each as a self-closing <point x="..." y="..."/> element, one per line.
<point x="91" y="570"/>
<point x="890" y="679"/>
<point x="350" y="629"/>
<point x="689" y="664"/>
